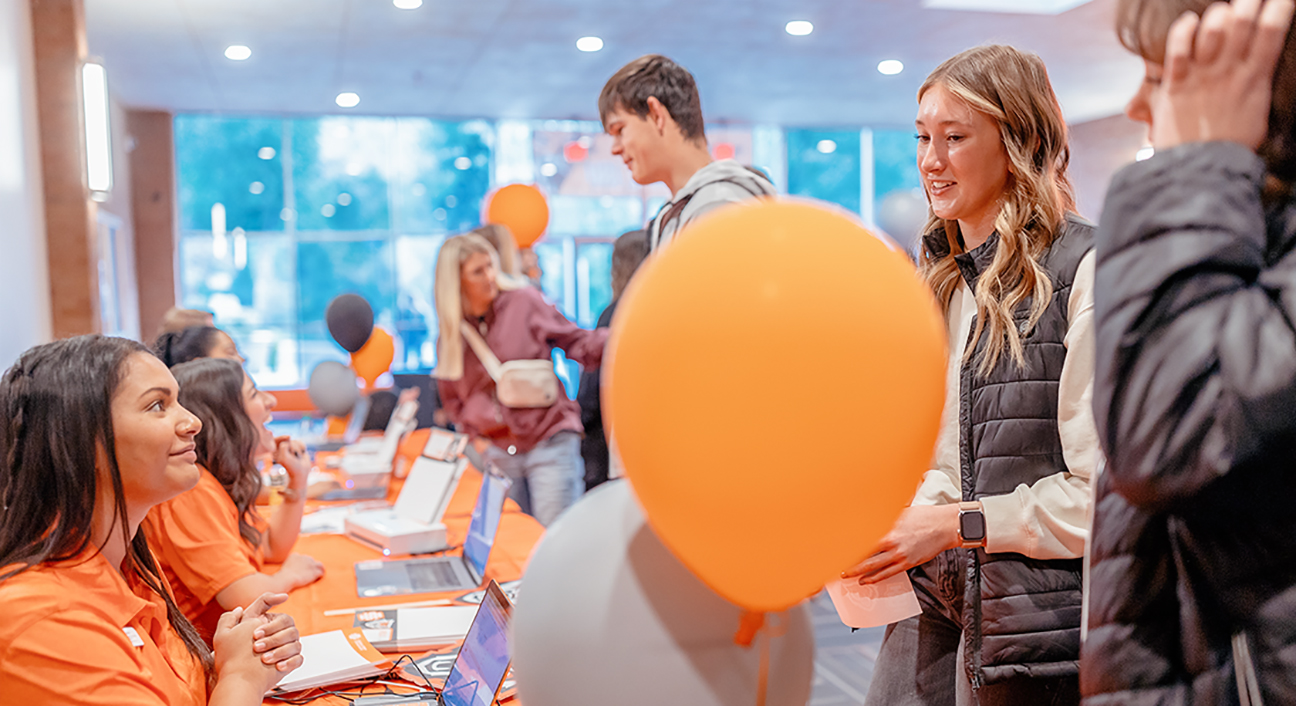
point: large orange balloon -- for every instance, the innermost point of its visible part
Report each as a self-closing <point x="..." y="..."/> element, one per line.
<point x="776" y="379"/>
<point x="375" y="357"/>
<point x="523" y="209"/>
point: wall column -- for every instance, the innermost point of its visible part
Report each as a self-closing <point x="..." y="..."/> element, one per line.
<point x="153" y="197"/>
<point x="59" y="43"/>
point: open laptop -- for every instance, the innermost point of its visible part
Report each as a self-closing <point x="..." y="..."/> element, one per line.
<point x="398" y="424"/>
<point x="443" y="573"/>
<point x="479" y="669"/>
<point x="355" y="425"/>
<point x="478" y="673"/>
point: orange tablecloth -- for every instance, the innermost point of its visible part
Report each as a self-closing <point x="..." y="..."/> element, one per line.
<point x="517" y="536"/>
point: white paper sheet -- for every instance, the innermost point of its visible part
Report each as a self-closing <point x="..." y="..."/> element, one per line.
<point x="882" y="603"/>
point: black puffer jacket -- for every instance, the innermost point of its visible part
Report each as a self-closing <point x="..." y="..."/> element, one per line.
<point x="1023" y="614"/>
<point x="1194" y="538"/>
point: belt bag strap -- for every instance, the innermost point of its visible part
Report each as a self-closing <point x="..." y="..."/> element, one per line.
<point x="483" y="351"/>
<point x="518" y="383"/>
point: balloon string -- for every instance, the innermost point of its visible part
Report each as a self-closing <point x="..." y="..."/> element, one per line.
<point x="762" y="683"/>
<point x="748" y="625"/>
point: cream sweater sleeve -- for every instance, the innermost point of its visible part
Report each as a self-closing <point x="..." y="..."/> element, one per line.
<point x="1049" y="518"/>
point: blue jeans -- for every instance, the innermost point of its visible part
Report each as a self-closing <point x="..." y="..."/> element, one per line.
<point x="546" y="479"/>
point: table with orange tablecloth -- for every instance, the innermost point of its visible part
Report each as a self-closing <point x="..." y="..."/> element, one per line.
<point x="514" y="541"/>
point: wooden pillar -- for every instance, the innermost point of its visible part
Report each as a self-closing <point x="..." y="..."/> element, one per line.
<point x="153" y="202"/>
<point x="59" y="43"/>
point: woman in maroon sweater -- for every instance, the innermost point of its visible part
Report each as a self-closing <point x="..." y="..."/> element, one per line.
<point x="538" y="447"/>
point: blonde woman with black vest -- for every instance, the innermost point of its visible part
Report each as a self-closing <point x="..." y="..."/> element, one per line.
<point x="994" y="537"/>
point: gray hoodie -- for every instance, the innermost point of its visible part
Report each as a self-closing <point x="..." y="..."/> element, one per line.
<point x="721" y="182"/>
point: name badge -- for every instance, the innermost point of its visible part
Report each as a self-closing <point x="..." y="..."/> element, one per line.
<point x="135" y="639"/>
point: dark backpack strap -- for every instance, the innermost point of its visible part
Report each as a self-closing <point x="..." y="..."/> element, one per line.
<point x="671" y="211"/>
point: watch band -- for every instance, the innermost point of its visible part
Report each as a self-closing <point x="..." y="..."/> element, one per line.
<point x="971" y="515"/>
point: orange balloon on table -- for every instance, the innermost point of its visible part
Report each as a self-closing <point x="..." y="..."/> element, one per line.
<point x="523" y="209"/>
<point x="775" y="386"/>
<point x="375" y="357"/>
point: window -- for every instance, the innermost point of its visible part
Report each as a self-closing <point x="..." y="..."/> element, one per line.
<point x="825" y="165"/>
<point x="278" y="216"/>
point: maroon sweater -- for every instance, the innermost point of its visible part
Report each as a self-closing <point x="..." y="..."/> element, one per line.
<point x="521" y="325"/>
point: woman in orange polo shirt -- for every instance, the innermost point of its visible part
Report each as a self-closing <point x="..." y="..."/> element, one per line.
<point x="211" y="541"/>
<point x="91" y="438"/>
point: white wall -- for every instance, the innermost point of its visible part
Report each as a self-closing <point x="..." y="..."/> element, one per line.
<point x="24" y="270"/>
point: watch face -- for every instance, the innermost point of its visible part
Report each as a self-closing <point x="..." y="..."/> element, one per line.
<point x="972" y="526"/>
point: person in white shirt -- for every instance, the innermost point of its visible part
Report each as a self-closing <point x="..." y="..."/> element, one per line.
<point x="994" y="537"/>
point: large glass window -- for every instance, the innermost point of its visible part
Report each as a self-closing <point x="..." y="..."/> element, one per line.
<point x="825" y="165"/>
<point x="280" y="216"/>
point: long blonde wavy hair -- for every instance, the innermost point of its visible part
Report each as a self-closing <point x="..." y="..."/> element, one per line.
<point x="1012" y="87"/>
<point x="449" y="299"/>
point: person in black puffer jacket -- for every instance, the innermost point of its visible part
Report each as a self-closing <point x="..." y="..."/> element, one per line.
<point x="1192" y="592"/>
<point x="994" y="537"/>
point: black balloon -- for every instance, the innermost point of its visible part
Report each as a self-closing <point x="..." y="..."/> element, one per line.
<point x="350" y="321"/>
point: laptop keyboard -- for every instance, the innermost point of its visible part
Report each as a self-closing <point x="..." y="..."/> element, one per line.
<point x="436" y="573"/>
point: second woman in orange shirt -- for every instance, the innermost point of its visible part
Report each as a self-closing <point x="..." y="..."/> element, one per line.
<point x="211" y="542"/>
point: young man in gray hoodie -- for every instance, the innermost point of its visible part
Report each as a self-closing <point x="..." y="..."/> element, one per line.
<point x="652" y="111"/>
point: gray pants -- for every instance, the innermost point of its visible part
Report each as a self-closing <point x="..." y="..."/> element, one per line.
<point x="921" y="659"/>
<point x="546" y="479"/>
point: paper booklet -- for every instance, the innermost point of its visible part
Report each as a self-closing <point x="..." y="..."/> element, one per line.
<point x="882" y="603"/>
<point x="406" y="629"/>
<point x="333" y="658"/>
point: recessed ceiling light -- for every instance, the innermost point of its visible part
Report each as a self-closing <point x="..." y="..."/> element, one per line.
<point x="348" y="100"/>
<point x="548" y="169"/>
<point x="408" y="4"/>
<point x="890" y="67"/>
<point x="1144" y="153"/>
<point x="589" y="44"/>
<point x="237" y="52"/>
<point x="462" y="163"/>
<point x="799" y="28"/>
<point x="826" y="146"/>
<point x="266" y="152"/>
<point x="1033" y="7"/>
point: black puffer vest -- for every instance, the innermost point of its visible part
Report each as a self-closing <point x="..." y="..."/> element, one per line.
<point x="1021" y="615"/>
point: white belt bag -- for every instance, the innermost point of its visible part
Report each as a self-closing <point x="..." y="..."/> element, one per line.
<point x="518" y="383"/>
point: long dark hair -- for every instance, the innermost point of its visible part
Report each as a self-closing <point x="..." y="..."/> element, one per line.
<point x="55" y="416"/>
<point x="176" y="347"/>
<point x="1142" y="26"/>
<point x="212" y="388"/>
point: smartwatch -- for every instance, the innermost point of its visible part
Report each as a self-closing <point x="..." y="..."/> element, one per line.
<point x="971" y="526"/>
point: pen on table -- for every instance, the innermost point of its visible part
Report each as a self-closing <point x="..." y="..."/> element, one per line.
<point x="389" y="606"/>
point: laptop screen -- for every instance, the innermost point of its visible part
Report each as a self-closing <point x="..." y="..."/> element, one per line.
<point x="484" y="658"/>
<point x="485" y="521"/>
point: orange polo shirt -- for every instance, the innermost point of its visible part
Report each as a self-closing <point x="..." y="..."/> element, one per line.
<point x="196" y="538"/>
<point x="78" y="632"/>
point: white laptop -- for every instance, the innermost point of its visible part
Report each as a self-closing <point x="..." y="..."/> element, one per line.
<point x="443" y="573"/>
<point x="367" y="459"/>
<point x="414" y="524"/>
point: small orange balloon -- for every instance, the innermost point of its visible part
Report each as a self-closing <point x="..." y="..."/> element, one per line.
<point x="375" y="357"/>
<point x="776" y="380"/>
<point x="523" y="209"/>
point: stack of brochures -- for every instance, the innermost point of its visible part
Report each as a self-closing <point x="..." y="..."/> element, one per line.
<point x="415" y="629"/>
<point x="334" y="658"/>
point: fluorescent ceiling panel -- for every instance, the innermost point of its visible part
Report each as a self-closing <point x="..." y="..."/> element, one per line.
<point x="1024" y="7"/>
